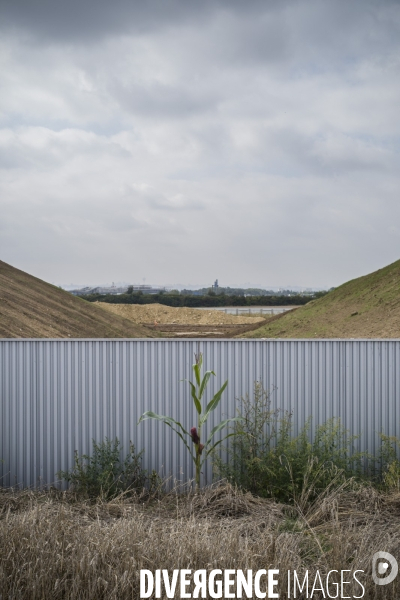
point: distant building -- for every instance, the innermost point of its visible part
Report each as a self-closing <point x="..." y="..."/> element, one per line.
<point x="99" y="290"/>
<point x="145" y="289"/>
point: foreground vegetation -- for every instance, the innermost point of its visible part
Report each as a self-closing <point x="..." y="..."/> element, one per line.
<point x="285" y="503"/>
<point x="54" y="545"/>
<point x="267" y="459"/>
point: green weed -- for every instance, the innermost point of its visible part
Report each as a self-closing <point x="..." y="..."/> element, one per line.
<point x="103" y="474"/>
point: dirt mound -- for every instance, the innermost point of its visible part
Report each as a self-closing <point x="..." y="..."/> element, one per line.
<point x="30" y="307"/>
<point x="367" y="307"/>
<point x="161" y="314"/>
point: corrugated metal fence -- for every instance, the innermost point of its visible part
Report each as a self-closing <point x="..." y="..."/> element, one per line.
<point x="56" y="395"/>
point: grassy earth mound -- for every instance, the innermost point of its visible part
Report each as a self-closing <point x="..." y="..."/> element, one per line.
<point x="32" y="308"/>
<point x="366" y="307"/>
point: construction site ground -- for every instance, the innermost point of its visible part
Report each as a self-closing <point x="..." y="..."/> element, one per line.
<point x="185" y="322"/>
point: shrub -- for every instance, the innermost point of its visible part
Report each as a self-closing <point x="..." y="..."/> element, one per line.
<point x="103" y="474"/>
<point x="389" y="463"/>
<point x="265" y="458"/>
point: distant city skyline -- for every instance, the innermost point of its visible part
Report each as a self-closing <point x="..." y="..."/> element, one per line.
<point x="181" y="286"/>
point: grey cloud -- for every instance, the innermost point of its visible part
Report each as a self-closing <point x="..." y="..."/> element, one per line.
<point x="42" y="149"/>
<point x="90" y="19"/>
<point x="140" y="132"/>
<point x="329" y="154"/>
<point x="159" y="99"/>
<point x="154" y="199"/>
<point x="176" y="203"/>
<point x="237" y="31"/>
<point x="76" y="20"/>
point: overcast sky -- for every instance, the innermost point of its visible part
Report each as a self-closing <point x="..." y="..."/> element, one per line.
<point x="182" y="141"/>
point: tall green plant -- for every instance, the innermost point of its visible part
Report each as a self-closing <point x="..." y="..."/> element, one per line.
<point x="197" y="390"/>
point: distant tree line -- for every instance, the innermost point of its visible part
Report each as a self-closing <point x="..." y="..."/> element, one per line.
<point x="211" y="300"/>
<point x="239" y="292"/>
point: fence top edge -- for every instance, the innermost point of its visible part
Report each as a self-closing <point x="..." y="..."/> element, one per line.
<point x="150" y="340"/>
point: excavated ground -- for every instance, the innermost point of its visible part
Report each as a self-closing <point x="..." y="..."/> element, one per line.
<point x="185" y="322"/>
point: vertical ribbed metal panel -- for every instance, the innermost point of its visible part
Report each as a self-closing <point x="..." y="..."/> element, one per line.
<point x="58" y="395"/>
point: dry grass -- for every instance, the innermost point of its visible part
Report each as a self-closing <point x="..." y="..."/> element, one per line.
<point x="54" y="546"/>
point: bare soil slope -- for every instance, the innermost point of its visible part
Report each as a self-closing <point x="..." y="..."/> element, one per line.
<point x="148" y="313"/>
<point x="367" y="307"/>
<point x="30" y="307"/>
<point x="184" y="322"/>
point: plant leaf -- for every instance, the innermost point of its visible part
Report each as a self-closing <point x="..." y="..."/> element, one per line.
<point x="213" y="403"/>
<point x="221" y="426"/>
<point x="195" y="398"/>
<point x="216" y="444"/>
<point x="152" y="415"/>
<point x="184" y="441"/>
<point x="168" y="421"/>
<point x="196" y="369"/>
<point x="203" y="384"/>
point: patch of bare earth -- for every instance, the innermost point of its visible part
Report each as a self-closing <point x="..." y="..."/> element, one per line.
<point x="185" y="322"/>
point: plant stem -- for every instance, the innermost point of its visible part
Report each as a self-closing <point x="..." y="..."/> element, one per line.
<point x="198" y="457"/>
